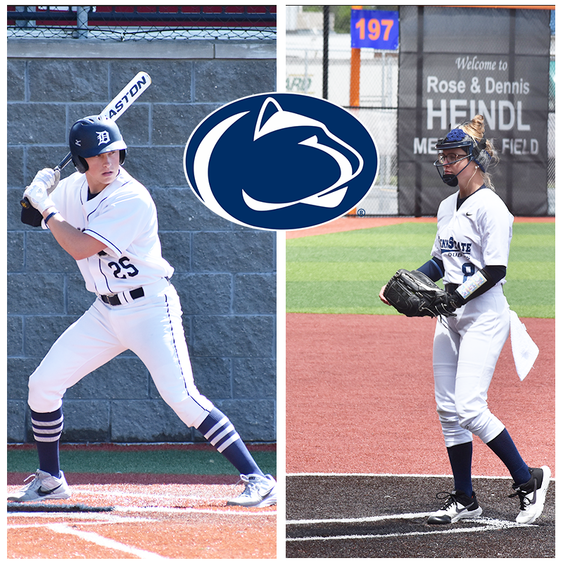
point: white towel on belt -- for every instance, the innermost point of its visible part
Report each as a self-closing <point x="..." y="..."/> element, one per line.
<point x="524" y="349"/>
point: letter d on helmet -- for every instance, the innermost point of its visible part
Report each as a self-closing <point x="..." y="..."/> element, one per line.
<point x="91" y="136"/>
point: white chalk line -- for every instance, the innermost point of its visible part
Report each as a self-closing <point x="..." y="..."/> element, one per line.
<point x="92" y="537"/>
<point x="88" y="519"/>
<point x="488" y="525"/>
<point x="114" y="517"/>
<point x="156" y="497"/>
<point x="142" y="509"/>
<point x="169" y="510"/>
<point x="96" y="519"/>
<point x="113" y="494"/>
<point x="407" y="516"/>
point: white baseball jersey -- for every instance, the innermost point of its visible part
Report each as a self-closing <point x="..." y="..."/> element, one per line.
<point x="122" y="216"/>
<point x="476" y="235"/>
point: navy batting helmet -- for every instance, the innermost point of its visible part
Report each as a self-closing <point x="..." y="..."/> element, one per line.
<point x="91" y="136"/>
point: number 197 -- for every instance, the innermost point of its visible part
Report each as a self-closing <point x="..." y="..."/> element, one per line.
<point x="374" y="28"/>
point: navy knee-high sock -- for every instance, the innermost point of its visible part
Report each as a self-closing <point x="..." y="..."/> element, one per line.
<point x="221" y="434"/>
<point x="47" y="429"/>
<point x="461" y="457"/>
<point x="504" y="448"/>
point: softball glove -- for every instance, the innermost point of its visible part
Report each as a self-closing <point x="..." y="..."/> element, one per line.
<point x="414" y="294"/>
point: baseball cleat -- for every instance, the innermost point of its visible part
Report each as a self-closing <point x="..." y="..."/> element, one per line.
<point x="532" y="495"/>
<point x="43" y="487"/>
<point x="259" y="491"/>
<point x="457" y="506"/>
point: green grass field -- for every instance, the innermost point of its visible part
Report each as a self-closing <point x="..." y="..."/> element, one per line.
<point x="160" y="461"/>
<point x="343" y="272"/>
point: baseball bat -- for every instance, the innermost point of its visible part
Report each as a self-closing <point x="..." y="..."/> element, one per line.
<point x="114" y="110"/>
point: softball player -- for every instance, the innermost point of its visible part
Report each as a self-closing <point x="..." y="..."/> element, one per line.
<point x="471" y="254"/>
<point x="107" y="221"/>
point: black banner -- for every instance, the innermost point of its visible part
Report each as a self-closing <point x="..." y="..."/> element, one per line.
<point x="455" y="63"/>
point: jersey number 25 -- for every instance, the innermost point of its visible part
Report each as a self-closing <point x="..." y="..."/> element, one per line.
<point x="123" y="269"/>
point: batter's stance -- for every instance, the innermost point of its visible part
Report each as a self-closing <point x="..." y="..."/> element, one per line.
<point x="471" y="255"/>
<point x="106" y="220"/>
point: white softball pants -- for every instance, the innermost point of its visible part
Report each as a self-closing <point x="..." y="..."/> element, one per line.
<point x="466" y="350"/>
<point x="151" y="327"/>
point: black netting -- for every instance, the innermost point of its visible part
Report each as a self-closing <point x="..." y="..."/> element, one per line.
<point x="394" y="102"/>
<point x="129" y="23"/>
<point x="499" y="69"/>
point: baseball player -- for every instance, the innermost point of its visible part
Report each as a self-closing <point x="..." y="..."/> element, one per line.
<point x="470" y="253"/>
<point x="106" y="220"/>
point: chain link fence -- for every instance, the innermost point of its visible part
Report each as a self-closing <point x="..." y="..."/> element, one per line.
<point x="146" y="23"/>
<point x="378" y="96"/>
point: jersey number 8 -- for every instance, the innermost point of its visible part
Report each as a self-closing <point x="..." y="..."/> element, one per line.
<point x="468" y="270"/>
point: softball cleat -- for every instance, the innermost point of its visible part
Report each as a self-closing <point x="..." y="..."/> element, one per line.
<point x="43" y="487"/>
<point x="532" y="495"/>
<point x="457" y="506"/>
<point x="259" y="491"/>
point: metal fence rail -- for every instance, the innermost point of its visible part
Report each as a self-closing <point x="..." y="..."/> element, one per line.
<point x="142" y="22"/>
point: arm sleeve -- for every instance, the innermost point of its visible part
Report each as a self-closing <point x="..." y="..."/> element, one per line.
<point x="491" y="274"/>
<point x="434" y="269"/>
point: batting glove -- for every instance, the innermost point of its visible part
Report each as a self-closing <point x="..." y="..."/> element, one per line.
<point x="49" y="177"/>
<point x="43" y="184"/>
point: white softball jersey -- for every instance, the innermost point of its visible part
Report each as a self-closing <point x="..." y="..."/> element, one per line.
<point x="122" y="216"/>
<point x="476" y="235"/>
<point x="467" y="346"/>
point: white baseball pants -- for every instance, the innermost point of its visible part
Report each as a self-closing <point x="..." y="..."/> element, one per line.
<point x="466" y="350"/>
<point x="151" y="327"/>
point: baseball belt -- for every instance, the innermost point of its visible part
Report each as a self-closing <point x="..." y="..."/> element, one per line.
<point x="124" y="297"/>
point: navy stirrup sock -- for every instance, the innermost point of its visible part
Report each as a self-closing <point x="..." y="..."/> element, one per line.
<point x="461" y="457"/>
<point x="47" y="429"/>
<point x="221" y="434"/>
<point x="504" y="448"/>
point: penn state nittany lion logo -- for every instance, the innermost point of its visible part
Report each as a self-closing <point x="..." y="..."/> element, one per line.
<point x="280" y="161"/>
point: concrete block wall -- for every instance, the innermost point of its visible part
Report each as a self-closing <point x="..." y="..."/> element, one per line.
<point x="225" y="274"/>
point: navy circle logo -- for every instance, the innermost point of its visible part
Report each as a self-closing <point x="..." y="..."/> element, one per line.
<point x="280" y="161"/>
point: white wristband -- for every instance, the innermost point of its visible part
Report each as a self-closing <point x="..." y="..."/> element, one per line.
<point x="472" y="284"/>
